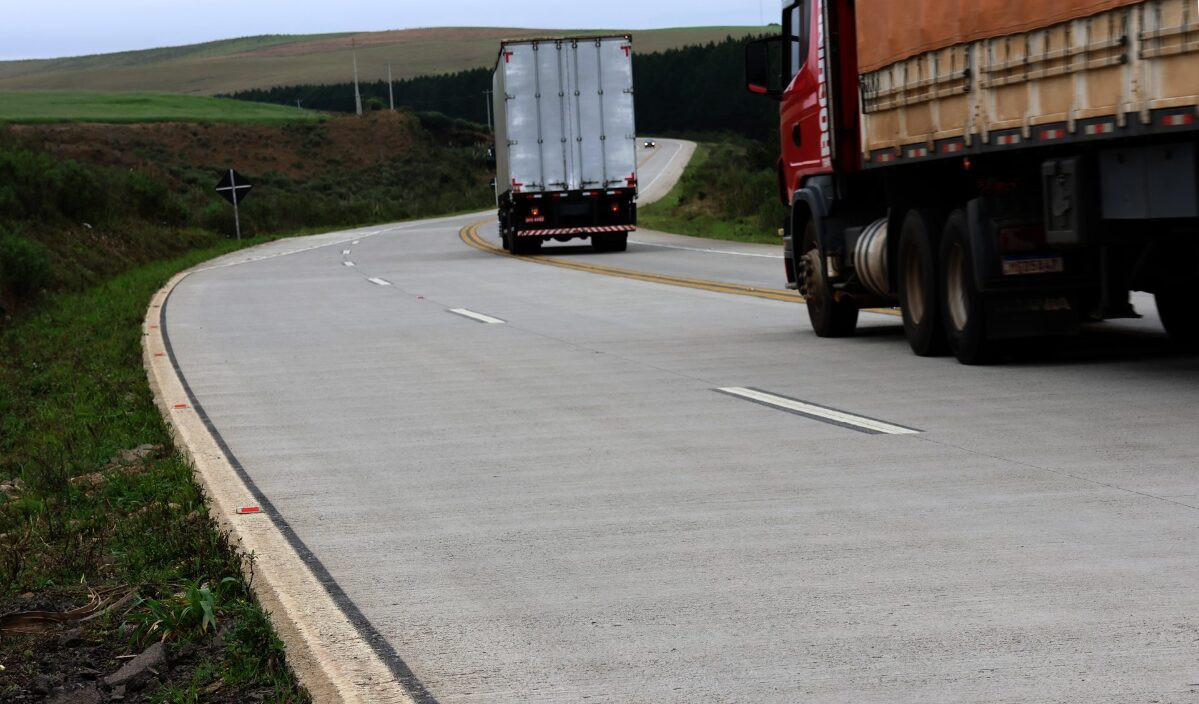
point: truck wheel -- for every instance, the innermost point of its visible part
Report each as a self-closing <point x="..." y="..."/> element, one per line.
<point x="961" y="303"/>
<point x="1179" y="316"/>
<point x="505" y="240"/>
<point x="918" y="283"/>
<point x="829" y="317"/>
<point x="610" y="243"/>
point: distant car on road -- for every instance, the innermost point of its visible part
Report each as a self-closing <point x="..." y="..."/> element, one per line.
<point x="650" y="144"/>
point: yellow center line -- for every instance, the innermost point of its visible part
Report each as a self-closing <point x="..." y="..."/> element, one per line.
<point x="470" y="235"/>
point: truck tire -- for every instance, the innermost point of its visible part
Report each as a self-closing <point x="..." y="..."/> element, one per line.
<point x="1179" y="316"/>
<point x="829" y="317"/>
<point x="610" y="243"/>
<point x="961" y="304"/>
<point x="505" y="240"/>
<point x="918" y="283"/>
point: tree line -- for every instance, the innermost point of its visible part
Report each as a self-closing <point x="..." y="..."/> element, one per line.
<point x="697" y="88"/>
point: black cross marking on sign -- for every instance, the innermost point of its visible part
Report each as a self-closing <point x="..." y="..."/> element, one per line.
<point x="234" y="187"/>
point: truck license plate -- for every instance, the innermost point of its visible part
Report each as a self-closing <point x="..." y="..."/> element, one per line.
<point x="1022" y="266"/>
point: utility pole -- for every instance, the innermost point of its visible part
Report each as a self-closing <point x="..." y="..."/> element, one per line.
<point x="487" y="97"/>
<point x="357" y="94"/>
<point x="391" y="96"/>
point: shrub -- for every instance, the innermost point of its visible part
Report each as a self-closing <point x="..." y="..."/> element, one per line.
<point x="24" y="268"/>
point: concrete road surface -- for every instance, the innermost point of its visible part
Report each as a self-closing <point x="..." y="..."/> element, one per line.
<point x="539" y="484"/>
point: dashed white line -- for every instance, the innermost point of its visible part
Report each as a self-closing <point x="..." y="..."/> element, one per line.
<point x="476" y="316"/>
<point x="348" y="263"/>
<point x="821" y="413"/>
<point x="345" y="252"/>
<point x="380" y="282"/>
<point x="355" y="242"/>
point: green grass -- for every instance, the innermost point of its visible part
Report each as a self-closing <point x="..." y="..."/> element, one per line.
<point x="727" y="192"/>
<point x="92" y="106"/>
<point x="73" y="393"/>
<point x="263" y="62"/>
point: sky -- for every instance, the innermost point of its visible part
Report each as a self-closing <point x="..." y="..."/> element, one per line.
<point x="54" y="28"/>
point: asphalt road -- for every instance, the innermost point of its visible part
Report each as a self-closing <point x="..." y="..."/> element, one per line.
<point x="563" y="507"/>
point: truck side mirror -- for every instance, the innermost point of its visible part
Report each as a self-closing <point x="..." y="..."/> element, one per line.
<point x="763" y="67"/>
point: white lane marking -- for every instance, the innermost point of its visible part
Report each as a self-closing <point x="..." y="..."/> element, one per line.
<point x="424" y="224"/>
<point x="831" y="415"/>
<point x="476" y="316"/>
<point x="355" y="242"/>
<point x="380" y="282"/>
<point x="707" y="251"/>
<point x="345" y="252"/>
<point x="348" y="263"/>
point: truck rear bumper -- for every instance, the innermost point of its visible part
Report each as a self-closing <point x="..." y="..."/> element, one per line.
<point x="561" y="231"/>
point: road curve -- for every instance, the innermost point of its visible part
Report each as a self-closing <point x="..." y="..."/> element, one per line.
<point x="536" y="483"/>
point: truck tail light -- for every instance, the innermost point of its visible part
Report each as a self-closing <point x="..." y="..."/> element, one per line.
<point x="535" y="211"/>
<point x="616" y="207"/>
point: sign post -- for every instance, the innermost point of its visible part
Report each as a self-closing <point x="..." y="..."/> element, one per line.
<point x="234" y="187"/>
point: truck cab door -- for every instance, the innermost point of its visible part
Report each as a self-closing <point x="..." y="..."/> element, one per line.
<point x="806" y="110"/>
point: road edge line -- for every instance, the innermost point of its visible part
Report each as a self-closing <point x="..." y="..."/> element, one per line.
<point x="325" y="650"/>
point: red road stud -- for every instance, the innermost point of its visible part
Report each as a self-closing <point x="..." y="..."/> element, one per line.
<point x="153" y="327"/>
<point x="249" y="509"/>
<point x="180" y="406"/>
<point x="159" y="354"/>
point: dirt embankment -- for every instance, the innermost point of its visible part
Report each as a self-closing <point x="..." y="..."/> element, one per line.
<point x="294" y="151"/>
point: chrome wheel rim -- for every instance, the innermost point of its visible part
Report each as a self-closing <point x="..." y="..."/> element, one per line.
<point x="955" y="288"/>
<point x="913" y="280"/>
<point x="813" y="280"/>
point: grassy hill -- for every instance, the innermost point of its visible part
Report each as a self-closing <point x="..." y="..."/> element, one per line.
<point x="92" y="106"/>
<point x="261" y="62"/>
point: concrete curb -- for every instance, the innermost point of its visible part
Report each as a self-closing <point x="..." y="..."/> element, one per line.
<point x="325" y="650"/>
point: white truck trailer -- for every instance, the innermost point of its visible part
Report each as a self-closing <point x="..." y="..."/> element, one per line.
<point x="566" y="149"/>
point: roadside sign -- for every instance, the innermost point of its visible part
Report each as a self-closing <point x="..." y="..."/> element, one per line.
<point x="234" y="188"/>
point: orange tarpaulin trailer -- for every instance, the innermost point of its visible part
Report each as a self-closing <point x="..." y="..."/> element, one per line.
<point x="893" y="30"/>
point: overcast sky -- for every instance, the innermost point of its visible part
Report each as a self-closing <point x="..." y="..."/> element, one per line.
<point x="52" y="28"/>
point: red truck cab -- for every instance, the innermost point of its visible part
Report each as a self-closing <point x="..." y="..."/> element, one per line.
<point x="941" y="181"/>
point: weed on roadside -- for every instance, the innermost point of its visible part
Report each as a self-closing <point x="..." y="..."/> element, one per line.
<point x="94" y="499"/>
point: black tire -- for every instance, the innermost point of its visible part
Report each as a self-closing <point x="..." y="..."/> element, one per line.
<point x="829" y="317"/>
<point x="961" y="304"/>
<point x="918" y="283"/>
<point x="505" y="240"/>
<point x="1179" y="316"/>
<point x="618" y="242"/>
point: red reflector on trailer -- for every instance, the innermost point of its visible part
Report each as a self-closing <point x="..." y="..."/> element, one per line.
<point x="1178" y="120"/>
